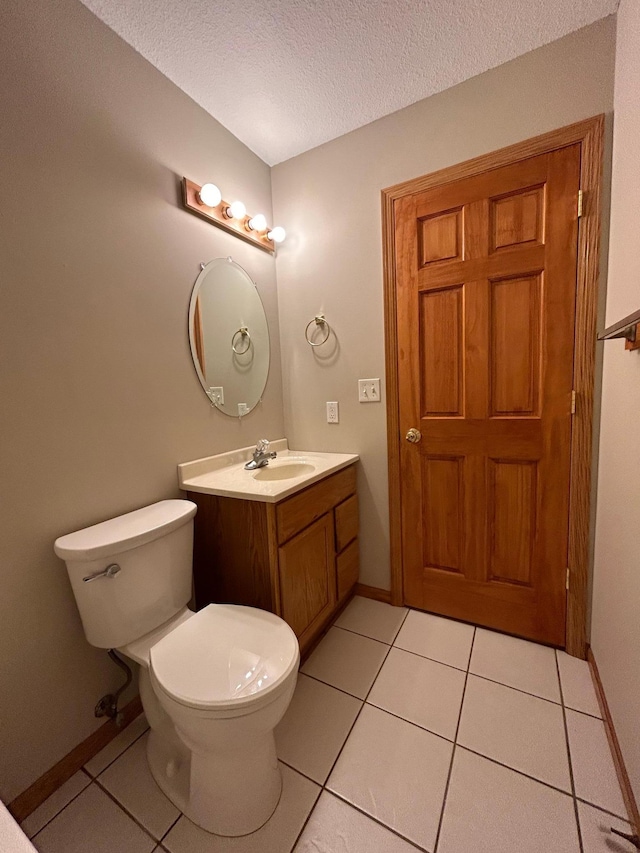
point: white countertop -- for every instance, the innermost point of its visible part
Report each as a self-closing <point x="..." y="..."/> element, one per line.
<point x="226" y="476"/>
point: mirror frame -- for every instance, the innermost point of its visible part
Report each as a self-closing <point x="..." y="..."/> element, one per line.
<point x="205" y="269"/>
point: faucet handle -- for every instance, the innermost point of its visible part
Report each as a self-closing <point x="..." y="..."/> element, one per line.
<point x="262" y="445"/>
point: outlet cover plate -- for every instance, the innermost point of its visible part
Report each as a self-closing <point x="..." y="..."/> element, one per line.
<point x="333" y="416"/>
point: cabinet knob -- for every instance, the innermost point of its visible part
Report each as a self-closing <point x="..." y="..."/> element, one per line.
<point x="414" y="435"/>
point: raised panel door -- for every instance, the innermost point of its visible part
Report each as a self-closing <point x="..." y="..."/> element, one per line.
<point x="486" y="288"/>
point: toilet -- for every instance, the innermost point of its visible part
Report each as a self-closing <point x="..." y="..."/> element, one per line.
<point x="213" y="684"/>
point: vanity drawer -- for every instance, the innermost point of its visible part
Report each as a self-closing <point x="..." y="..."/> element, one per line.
<point x="300" y="510"/>
<point x="348" y="569"/>
<point x="346" y="522"/>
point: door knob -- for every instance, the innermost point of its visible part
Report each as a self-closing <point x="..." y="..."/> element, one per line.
<point x="414" y="435"/>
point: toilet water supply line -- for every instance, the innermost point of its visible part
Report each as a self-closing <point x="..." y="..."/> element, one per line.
<point x="108" y="705"/>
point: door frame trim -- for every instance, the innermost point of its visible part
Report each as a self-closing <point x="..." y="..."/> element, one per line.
<point x="589" y="134"/>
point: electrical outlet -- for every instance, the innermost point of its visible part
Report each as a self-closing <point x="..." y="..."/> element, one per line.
<point x="369" y="390"/>
<point x="216" y="395"/>
<point x="332" y="413"/>
<point x="243" y="409"/>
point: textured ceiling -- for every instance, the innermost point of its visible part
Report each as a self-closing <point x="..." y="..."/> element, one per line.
<point x="287" y="75"/>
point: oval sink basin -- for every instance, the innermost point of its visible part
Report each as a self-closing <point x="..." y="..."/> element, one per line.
<point x="284" y="471"/>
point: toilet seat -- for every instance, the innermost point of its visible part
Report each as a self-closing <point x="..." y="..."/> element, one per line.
<point x="225" y="658"/>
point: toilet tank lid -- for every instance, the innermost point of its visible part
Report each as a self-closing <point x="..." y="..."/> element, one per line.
<point x="126" y="531"/>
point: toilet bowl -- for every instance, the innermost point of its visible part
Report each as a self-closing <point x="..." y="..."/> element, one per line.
<point x="213" y="684"/>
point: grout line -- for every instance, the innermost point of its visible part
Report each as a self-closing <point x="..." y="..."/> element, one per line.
<point x="395" y="636"/>
<point x="99" y="785"/>
<point x="568" y="747"/>
<point x="300" y="772"/>
<point x="605" y="811"/>
<point x="411" y="722"/>
<point x="175" y="822"/>
<point x="426" y="657"/>
<point x="514" y="770"/>
<point x="59" y="812"/>
<point x="517" y="689"/>
<point x="374" y="819"/>
<point x="360" y="634"/>
<point x="118" y="756"/>
<point x="344" y="743"/>
<point x="453" y="751"/>
<point x="584" y="713"/>
<point x="339" y="689"/>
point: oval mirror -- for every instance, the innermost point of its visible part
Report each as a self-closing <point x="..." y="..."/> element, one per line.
<point x="229" y="337"/>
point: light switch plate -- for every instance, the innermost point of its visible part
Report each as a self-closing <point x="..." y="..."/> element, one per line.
<point x="369" y="390"/>
<point x="243" y="409"/>
<point x="333" y="416"/>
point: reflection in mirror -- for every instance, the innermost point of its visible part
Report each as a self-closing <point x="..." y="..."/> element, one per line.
<point x="229" y="337"/>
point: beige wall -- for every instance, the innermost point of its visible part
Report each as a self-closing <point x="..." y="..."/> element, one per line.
<point x="615" y="631"/>
<point x="329" y="199"/>
<point x="99" y="399"/>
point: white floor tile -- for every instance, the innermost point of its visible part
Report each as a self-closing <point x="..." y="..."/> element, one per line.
<point x="491" y="809"/>
<point x="336" y="827"/>
<point x="421" y="691"/>
<point x="434" y="637"/>
<point x="593" y="769"/>
<point x="278" y="835"/>
<point x="93" y="823"/>
<point x="315" y="727"/>
<point x="521" y="731"/>
<point x="347" y="661"/>
<point x="117" y="746"/>
<point x="516" y="663"/>
<point x="374" y="619"/>
<point x="131" y="783"/>
<point x="55" y="803"/>
<point x="578" y="691"/>
<point x="597" y="837"/>
<point x="396" y="772"/>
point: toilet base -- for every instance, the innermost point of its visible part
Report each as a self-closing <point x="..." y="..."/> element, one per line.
<point x="232" y="793"/>
<point x="223" y="774"/>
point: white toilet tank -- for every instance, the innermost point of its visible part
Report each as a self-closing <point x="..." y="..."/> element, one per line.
<point x="152" y="551"/>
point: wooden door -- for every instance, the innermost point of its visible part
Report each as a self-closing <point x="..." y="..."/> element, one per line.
<point x="307" y="572"/>
<point x="486" y="291"/>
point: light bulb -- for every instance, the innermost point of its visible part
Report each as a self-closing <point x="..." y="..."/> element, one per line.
<point x="277" y="234"/>
<point x="210" y="195"/>
<point x="258" y="222"/>
<point x="236" y="210"/>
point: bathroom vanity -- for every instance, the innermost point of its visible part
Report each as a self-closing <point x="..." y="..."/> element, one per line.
<point x="283" y="538"/>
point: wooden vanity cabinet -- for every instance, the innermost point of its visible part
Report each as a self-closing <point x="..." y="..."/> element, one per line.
<point x="297" y="558"/>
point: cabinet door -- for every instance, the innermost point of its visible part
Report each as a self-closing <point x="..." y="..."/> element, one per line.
<point x="308" y="578"/>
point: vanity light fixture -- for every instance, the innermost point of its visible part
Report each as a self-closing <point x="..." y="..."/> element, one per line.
<point x="257" y="222"/>
<point x="206" y="201"/>
<point x="210" y="195"/>
<point x="236" y="210"/>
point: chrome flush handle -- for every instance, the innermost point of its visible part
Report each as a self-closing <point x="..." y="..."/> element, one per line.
<point x="110" y="572"/>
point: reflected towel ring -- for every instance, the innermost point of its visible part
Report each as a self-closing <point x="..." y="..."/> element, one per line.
<point x="244" y="332"/>
<point x="319" y="320"/>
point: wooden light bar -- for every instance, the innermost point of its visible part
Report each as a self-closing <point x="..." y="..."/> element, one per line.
<point x="215" y="215"/>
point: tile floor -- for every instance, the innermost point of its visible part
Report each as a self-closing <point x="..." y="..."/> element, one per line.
<point x="406" y="732"/>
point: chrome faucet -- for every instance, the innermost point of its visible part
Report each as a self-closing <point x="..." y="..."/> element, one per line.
<point x="261" y="455"/>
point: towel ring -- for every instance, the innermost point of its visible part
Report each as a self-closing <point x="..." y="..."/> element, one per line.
<point x="244" y="332"/>
<point x="319" y="321"/>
